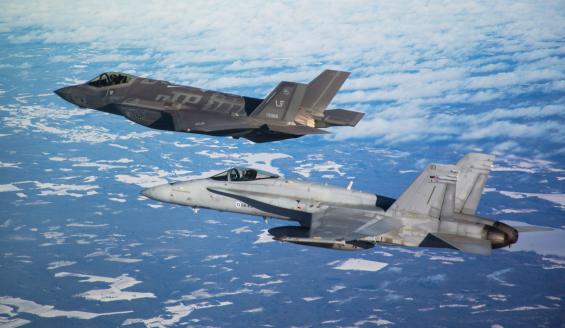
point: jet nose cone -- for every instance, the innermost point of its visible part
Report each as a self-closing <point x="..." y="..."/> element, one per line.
<point x="65" y="93"/>
<point x="161" y="193"/>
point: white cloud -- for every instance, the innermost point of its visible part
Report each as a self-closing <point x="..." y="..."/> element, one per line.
<point x="59" y="264"/>
<point x="175" y="313"/>
<point x="48" y="311"/>
<point x="557" y="198"/>
<point x="306" y="170"/>
<point x="8" y="188"/>
<point x="430" y="62"/>
<point x="261" y="161"/>
<point x="73" y="190"/>
<point x="360" y="265"/>
<point x="115" y="291"/>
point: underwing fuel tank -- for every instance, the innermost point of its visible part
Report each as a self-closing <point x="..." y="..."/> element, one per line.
<point x="300" y="235"/>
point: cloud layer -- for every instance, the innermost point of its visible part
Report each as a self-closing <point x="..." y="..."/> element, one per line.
<point x="438" y="70"/>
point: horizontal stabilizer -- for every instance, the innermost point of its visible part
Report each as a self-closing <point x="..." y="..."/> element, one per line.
<point x="342" y="117"/>
<point x="462" y="243"/>
<point x="532" y="228"/>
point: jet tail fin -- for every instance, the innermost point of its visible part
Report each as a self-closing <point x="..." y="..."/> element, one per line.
<point x="293" y="103"/>
<point x="425" y="196"/>
<point x="282" y="103"/>
<point x="322" y="90"/>
<point x="444" y="190"/>
<point x="473" y="169"/>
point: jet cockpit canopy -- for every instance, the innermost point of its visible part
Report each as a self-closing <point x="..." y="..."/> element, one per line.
<point x="243" y="174"/>
<point x="110" y="79"/>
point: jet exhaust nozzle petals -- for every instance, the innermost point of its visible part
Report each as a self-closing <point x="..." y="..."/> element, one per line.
<point x="511" y="233"/>
<point x="501" y="235"/>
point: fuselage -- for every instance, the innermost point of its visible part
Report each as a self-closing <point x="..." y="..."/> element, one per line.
<point x="162" y="105"/>
<point x="274" y="197"/>
<point x="298" y="201"/>
<point x="291" y="110"/>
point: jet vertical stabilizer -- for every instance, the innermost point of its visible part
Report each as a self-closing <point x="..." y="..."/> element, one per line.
<point x="282" y="103"/>
<point x="425" y="196"/>
<point x="474" y="169"/>
<point x="322" y="90"/>
<point x="319" y="94"/>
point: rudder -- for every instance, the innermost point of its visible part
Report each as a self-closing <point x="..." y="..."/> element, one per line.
<point x="474" y="169"/>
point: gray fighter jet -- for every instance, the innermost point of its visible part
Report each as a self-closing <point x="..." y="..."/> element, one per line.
<point x="437" y="209"/>
<point x="291" y="110"/>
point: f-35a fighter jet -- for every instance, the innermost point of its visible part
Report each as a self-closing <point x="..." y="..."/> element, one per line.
<point x="291" y="110"/>
<point x="437" y="209"/>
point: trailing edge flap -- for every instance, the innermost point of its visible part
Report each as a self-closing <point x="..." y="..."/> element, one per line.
<point x="338" y="223"/>
<point x="216" y="125"/>
<point x="298" y="130"/>
<point x="466" y="244"/>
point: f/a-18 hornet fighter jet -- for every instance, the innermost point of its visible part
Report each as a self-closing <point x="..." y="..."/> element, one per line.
<point x="437" y="209"/>
<point x="291" y="110"/>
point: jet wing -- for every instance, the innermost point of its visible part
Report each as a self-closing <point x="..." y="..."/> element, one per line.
<point x="220" y="126"/>
<point x="296" y="129"/>
<point x="338" y="223"/>
<point x="185" y="120"/>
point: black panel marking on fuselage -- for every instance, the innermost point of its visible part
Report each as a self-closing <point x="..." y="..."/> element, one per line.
<point x="384" y="202"/>
<point x="302" y="217"/>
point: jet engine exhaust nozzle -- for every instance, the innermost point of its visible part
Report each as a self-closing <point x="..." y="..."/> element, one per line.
<point x="508" y="230"/>
<point x="501" y="235"/>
